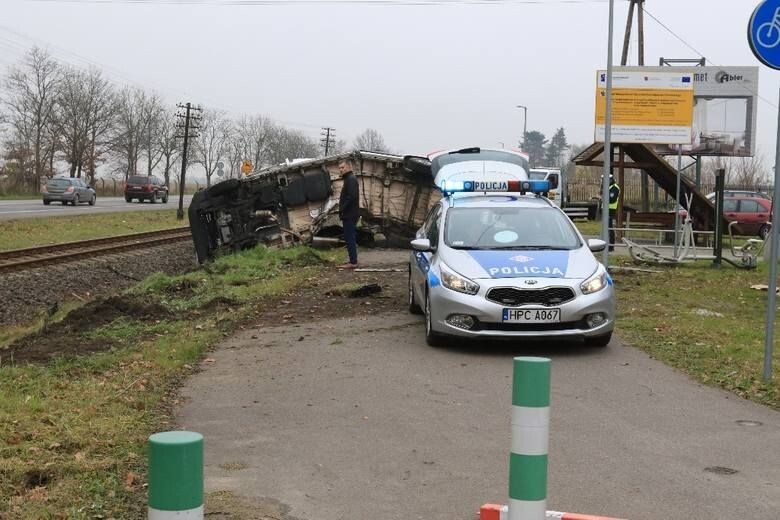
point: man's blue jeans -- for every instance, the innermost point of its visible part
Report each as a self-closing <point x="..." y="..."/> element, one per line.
<point x="350" y="237"/>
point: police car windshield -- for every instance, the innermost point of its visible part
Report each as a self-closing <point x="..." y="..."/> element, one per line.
<point x="509" y="228"/>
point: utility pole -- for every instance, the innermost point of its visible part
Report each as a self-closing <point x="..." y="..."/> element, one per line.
<point x="190" y="123"/>
<point x="328" y="138"/>
<point x="639" y="4"/>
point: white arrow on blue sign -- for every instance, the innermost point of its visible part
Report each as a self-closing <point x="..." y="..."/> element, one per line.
<point x="764" y="33"/>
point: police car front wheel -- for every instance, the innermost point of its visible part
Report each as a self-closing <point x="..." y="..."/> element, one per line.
<point x="431" y="338"/>
<point x="413" y="307"/>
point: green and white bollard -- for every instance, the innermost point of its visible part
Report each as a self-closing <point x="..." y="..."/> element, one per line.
<point x="530" y="439"/>
<point x="176" y="476"/>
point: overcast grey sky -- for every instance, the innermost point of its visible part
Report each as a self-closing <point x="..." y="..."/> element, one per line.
<point x="426" y="77"/>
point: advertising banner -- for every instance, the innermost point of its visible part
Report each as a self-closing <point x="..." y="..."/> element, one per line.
<point x="647" y="107"/>
<point x="724" y="110"/>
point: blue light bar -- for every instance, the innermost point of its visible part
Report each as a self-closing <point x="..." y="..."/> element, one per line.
<point x="448" y="187"/>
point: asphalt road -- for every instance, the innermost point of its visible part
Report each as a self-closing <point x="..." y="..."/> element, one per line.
<point x="358" y="418"/>
<point x="16" y="209"/>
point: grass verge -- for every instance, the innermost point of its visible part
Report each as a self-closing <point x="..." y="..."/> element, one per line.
<point x="707" y="322"/>
<point x="20" y="196"/>
<point x="73" y="432"/>
<point x="17" y="234"/>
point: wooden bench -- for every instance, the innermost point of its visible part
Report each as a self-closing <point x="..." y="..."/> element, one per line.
<point x="576" y="213"/>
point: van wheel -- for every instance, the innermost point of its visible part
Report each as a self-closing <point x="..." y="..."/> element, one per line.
<point x="153" y="200"/>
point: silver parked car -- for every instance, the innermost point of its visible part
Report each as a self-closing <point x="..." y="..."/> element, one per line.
<point x="68" y="189"/>
<point x="508" y="265"/>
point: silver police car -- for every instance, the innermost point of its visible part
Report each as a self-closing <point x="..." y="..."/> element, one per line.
<point x="508" y="265"/>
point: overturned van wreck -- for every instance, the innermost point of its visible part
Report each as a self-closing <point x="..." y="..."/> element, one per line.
<point x="299" y="203"/>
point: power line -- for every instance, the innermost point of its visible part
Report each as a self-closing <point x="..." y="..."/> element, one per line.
<point x="287" y="3"/>
<point x="691" y="47"/>
<point x="118" y="77"/>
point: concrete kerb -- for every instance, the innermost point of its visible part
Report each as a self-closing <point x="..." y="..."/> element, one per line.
<point x="528" y="456"/>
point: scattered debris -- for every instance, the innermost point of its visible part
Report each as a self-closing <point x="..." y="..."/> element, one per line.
<point x="762" y="287"/>
<point x="632" y="269"/>
<point x="707" y="313"/>
<point x="365" y="290"/>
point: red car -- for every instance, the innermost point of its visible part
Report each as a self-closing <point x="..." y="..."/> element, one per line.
<point x="752" y="213"/>
<point x="143" y="187"/>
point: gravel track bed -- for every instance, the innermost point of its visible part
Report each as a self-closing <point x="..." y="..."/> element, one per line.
<point x="26" y="294"/>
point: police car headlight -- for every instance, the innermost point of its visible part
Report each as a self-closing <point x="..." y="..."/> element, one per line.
<point x="594" y="284"/>
<point x="452" y="280"/>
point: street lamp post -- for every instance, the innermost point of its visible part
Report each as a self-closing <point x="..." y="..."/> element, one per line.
<point x="525" y="125"/>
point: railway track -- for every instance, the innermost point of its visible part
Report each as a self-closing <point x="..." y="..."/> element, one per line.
<point x="28" y="258"/>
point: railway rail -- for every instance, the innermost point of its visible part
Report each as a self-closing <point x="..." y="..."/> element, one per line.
<point x="28" y="258"/>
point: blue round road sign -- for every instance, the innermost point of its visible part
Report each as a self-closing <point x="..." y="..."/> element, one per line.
<point x="764" y="33"/>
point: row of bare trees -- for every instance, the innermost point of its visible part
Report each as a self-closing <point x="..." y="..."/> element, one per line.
<point x="53" y="114"/>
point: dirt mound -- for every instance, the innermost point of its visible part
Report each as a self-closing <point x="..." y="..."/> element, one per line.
<point x="65" y="337"/>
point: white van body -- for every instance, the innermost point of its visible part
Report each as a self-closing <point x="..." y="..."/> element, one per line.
<point x="546" y="174"/>
<point x="478" y="164"/>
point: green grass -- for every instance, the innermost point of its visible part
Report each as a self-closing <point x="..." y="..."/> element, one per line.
<point x="78" y="427"/>
<point x="20" y="196"/>
<point x="666" y="314"/>
<point x="73" y="432"/>
<point x="17" y="234"/>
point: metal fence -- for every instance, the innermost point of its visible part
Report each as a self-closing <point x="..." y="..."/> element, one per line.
<point x="116" y="188"/>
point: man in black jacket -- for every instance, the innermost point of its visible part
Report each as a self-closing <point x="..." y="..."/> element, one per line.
<point x="349" y="210"/>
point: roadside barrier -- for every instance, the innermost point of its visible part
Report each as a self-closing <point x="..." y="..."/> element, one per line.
<point x="499" y="512"/>
<point x="176" y="476"/>
<point x="530" y="440"/>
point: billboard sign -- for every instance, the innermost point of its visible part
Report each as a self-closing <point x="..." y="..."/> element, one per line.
<point x="724" y="110"/>
<point x="647" y="106"/>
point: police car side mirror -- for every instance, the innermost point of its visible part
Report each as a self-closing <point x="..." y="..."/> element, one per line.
<point x="421" y="244"/>
<point x="596" y="245"/>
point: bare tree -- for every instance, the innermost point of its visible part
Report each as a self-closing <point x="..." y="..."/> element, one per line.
<point x="135" y="113"/>
<point x="101" y="119"/>
<point x="255" y="134"/>
<point x="31" y="94"/>
<point x="234" y="153"/>
<point x="71" y="117"/>
<point x="289" y="144"/>
<point x="372" y="141"/>
<point x="168" y="144"/>
<point x="153" y="114"/>
<point x="210" y="147"/>
<point x="339" y="147"/>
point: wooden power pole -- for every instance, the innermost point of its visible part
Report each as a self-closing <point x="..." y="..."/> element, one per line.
<point x="190" y="123"/>
<point x="639" y="5"/>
